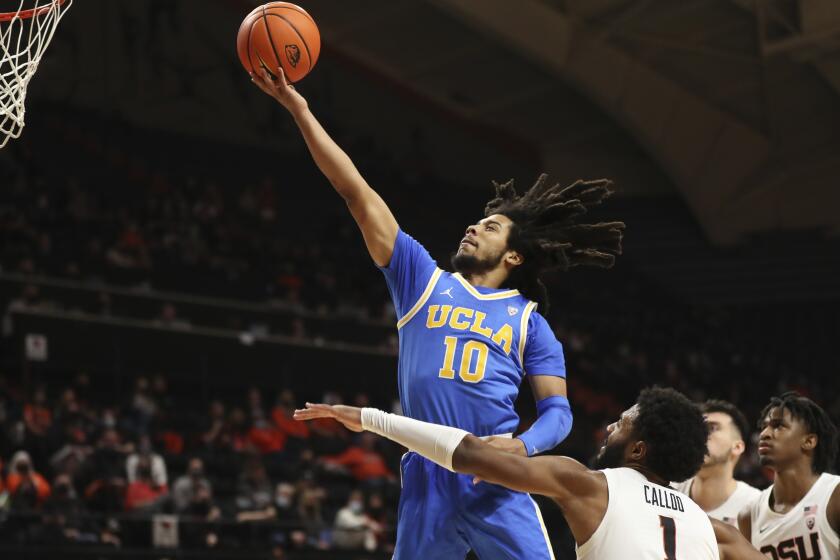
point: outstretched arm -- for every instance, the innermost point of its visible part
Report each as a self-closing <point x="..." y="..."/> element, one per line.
<point x="732" y="544"/>
<point x="561" y="478"/>
<point x="378" y="225"/>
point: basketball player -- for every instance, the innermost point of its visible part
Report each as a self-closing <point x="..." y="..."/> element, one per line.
<point x="625" y="510"/>
<point x="798" y="517"/>
<point x="468" y="338"/>
<point x="714" y="487"/>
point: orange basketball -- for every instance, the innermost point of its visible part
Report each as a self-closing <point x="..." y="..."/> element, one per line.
<point x="279" y="34"/>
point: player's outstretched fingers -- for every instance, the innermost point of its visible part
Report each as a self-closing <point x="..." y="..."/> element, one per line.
<point x="281" y="78"/>
<point x="313" y="411"/>
<point x="259" y="81"/>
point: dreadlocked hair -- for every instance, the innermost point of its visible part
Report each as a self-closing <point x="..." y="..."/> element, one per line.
<point x="547" y="234"/>
<point x="816" y="421"/>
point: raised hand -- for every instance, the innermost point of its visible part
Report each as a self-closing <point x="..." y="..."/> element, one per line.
<point x="278" y="88"/>
<point x="350" y="416"/>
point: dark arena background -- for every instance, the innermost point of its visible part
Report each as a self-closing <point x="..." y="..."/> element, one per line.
<point x="176" y="275"/>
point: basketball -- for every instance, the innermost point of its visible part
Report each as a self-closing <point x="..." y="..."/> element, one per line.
<point x="279" y="34"/>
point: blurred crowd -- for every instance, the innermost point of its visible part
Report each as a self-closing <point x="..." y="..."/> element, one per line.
<point x="234" y="474"/>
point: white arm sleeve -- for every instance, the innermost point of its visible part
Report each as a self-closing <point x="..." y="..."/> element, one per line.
<point x="433" y="441"/>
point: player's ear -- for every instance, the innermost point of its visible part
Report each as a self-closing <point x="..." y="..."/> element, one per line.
<point x="809" y="443"/>
<point x="738" y="447"/>
<point x="514" y="259"/>
<point x="637" y="451"/>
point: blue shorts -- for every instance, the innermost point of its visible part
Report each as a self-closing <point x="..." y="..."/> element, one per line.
<point x="442" y="515"/>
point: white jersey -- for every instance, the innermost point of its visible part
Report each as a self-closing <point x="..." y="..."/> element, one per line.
<point x="728" y="511"/>
<point x="646" y="521"/>
<point x="803" y="533"/>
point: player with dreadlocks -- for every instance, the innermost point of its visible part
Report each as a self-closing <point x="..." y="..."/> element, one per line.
<point x="468" y="338"/>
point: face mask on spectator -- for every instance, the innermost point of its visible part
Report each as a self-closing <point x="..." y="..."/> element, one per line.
<point x="356" y="506"/>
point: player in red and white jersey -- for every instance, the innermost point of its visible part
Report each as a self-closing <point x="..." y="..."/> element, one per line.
<point x="714" y="487"/>
<point x="798" y="517"/>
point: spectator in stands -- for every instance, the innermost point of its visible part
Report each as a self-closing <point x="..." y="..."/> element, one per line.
<point x="193" y="496"/>
<point x="37" y="415"/>
<point x="27" y="488"/>
<point x="193" y="491"/>
<point x="68" y="409"/>
<point x="144" y="493"/>
<point x="353" y="529"/>
<point x="364" y="463"/>
<point x="128" y="257"/>
<point x="284" y="407"/>
<point x="264" y="434"/>
<point x="142" y="406"/>
<point x="162" y="395"/>
<point x="75" y="451"/>
<point x="254" y="493"/>
<point x="103" y="474"/>
<point x="236" y="431"/>
<point x="64" y="519"/>
<point x="145" y="451"/>
<point x="310" y="506"/>
<point x="284" y="504"/>
<point x="213" y="434"/>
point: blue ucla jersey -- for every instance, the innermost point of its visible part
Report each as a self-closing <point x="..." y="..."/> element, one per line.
<point x="464" y="349"/>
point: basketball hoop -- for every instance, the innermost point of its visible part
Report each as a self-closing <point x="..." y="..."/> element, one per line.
<point x="24" y="35"/>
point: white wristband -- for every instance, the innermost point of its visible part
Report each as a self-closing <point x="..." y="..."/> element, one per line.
<point x="433" y="441"/>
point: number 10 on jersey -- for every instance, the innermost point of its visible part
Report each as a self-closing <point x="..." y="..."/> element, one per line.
<point x="466" y="371"/>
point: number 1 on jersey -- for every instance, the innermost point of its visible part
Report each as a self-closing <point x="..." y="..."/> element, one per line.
<point x="669" y="537"/>
<point x="470" y="347"/>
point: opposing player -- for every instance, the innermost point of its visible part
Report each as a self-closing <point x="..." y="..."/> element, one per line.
<point x="714" y="487"/>
<point x="798" y="517"/>
<point x="468" y="338"/>
<point x="625" y="510"/>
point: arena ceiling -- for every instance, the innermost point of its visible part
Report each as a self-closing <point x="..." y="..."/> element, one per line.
<point x="737" y="102"/>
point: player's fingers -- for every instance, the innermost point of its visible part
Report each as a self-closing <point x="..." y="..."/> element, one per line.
<point x="319" y="406"/>
<point x="476" y="480"/>
<point x="260" y="82"/>
<point x="311" y="412"/>
<point x="282" y="77"/>
<point x="305" y="415"/>
<point x="269" y="79"/>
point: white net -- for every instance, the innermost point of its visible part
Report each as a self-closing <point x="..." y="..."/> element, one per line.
<point x="24" y="35"/>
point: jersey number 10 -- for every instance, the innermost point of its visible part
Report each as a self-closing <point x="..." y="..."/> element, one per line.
<point x="471" y="347"/>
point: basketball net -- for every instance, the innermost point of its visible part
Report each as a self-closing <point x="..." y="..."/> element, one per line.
<point x="24" y="35"/>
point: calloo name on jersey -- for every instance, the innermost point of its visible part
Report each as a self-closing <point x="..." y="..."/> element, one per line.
<point x="663" y="498"/>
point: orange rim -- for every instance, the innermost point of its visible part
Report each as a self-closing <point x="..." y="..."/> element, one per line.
<point x="29" y="14"/>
